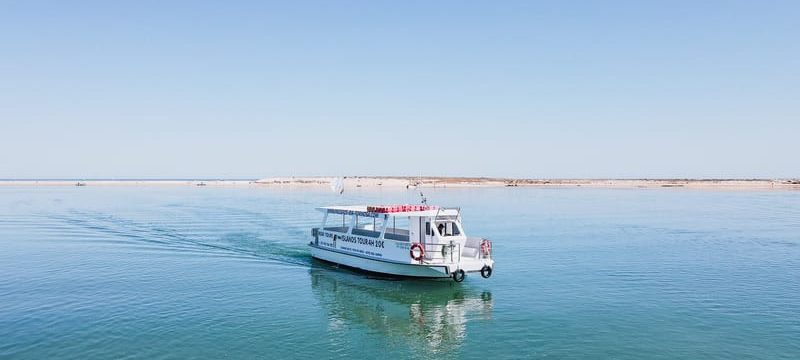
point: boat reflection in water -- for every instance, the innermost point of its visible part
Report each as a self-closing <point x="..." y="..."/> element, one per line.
<point x="430" y="315"/>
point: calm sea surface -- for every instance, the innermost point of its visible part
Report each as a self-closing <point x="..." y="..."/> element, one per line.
<point x="185" y="272"/>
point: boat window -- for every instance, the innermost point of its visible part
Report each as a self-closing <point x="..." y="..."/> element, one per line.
<point x="368" y="226"/>
<point x="337" y="222"/>
<point x="397" y="228"/>
<point x="428" y="228"/>
<point x="448" y="228"/>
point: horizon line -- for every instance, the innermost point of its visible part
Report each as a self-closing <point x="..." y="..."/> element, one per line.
<point x="496" y="178"/>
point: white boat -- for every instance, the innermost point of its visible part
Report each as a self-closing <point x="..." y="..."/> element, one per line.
<point x="403" y="240"/>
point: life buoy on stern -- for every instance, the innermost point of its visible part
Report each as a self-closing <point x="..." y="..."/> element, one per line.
<point x="486" y="247"/>
<point x="416" y="251"/>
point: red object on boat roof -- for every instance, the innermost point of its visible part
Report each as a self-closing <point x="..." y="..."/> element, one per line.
<point x="384" y="209"/>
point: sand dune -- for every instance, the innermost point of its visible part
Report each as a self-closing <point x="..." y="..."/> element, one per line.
<point x="432" y="182"/>
<point x="439" y="182"/>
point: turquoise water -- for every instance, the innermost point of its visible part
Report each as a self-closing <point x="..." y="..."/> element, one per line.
<point x="182" y="272"/>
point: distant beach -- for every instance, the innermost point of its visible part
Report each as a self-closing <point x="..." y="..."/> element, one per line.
<point x="436" y="182"/>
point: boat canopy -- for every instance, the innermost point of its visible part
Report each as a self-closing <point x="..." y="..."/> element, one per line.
<point x="388" y="210"/>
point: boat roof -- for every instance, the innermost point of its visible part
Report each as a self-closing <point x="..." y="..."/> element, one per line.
<point x="361" y="210"/>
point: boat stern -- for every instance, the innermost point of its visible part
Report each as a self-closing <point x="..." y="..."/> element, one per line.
<point x="473" y="265"/>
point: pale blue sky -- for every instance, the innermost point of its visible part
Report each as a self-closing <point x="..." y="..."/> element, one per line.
<point x="231" y="89"/>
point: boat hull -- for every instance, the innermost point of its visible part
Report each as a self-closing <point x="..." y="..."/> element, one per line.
<point x="379" y="266"/>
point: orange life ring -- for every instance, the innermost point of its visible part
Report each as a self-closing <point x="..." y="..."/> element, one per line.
<point x="417" y="246"/>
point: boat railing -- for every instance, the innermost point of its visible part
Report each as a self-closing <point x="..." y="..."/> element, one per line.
<point x="339" y="229"/>
<point x="441" y="253"/>
<point x="366" y="232"/>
